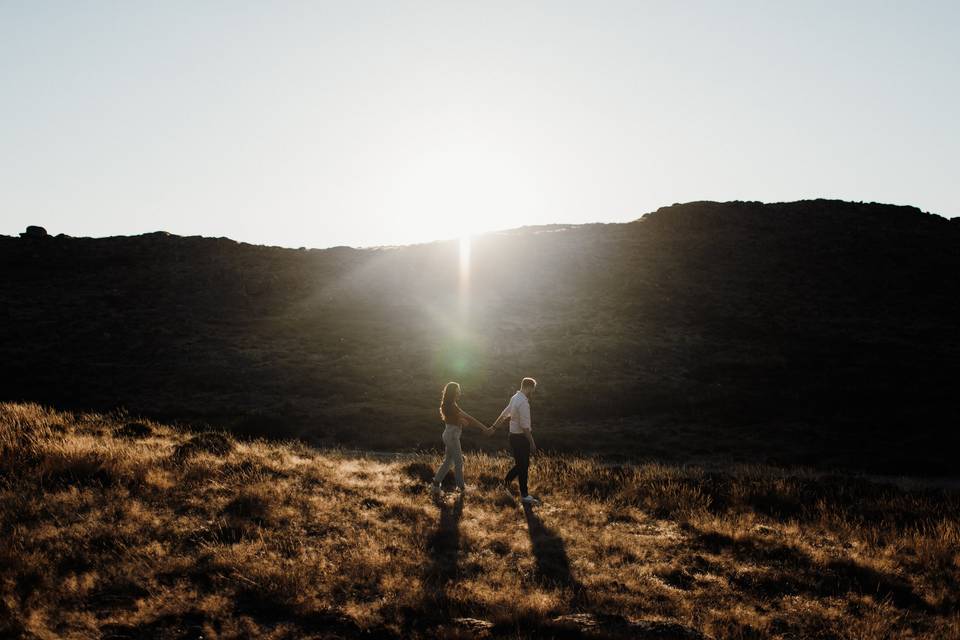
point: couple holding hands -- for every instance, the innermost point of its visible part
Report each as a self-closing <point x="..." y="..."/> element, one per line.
<point x="517" y="413"/>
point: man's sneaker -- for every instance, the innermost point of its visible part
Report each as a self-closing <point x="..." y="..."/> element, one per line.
<point x="530" y="500"/>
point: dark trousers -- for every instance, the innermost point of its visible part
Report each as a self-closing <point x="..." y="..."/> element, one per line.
<point x="521" y="461"/>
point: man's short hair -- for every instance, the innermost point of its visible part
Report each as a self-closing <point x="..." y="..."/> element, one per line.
<point x="527" y="383"/>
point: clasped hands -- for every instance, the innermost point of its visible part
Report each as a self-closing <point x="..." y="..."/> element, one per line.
<point x="489" y="430"/>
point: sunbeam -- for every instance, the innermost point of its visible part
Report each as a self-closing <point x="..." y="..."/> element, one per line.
<point x="464" y="276"/>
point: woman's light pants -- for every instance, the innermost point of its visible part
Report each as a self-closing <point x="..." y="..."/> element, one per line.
<point x="453" y="455"/>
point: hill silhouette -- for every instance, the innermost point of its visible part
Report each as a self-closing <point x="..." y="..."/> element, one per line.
<point x="816" y="332"/>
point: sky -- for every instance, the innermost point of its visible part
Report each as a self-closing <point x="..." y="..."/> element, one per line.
<point x="376" y="123"/>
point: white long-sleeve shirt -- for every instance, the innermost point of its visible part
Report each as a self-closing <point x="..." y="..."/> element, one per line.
<point x="518" y="410"/>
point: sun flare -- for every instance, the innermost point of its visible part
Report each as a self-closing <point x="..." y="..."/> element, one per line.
<point x="460" y="186"/>
<point x="464" y="272"/>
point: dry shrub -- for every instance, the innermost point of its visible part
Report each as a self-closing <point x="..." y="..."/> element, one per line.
<point x="77" y="467"/>
<point x="256" y="503"/>
<point x="215" y="443"/>
<point x="134" y="430"/>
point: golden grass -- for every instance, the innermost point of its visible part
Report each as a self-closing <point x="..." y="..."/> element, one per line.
<point x="118" y="529"/>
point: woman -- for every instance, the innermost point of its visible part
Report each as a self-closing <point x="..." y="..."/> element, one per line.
<point x="454" y="419"/>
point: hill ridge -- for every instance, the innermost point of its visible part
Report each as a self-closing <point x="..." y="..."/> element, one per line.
<point x="807" y="332"/>
<point x="161" y="234"/>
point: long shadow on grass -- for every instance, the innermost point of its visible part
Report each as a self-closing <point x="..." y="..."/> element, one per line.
<point x="790" y="571"/>
<point x="550" y="553"/>
<point x="443" y="549"/>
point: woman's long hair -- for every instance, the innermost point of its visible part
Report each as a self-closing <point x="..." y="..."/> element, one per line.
<point x="449" y="411"/>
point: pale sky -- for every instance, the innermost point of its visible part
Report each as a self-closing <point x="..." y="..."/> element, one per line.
<point x="367" y="123"/>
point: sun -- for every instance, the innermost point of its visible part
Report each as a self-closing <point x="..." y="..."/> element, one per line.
<point x="458" y="188"/>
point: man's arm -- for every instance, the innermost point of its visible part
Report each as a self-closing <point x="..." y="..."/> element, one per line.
<point x="504" y="415"/>
<point x="533" y="445"/>
<point x="524" y="419"/>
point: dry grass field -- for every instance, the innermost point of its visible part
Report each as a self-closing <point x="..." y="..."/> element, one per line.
<point x="117" y="528"/>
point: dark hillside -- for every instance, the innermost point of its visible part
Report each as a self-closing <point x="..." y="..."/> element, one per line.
<point x="820" y="332"/>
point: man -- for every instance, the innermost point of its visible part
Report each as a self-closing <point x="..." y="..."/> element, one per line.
<point x="521" y="436"/>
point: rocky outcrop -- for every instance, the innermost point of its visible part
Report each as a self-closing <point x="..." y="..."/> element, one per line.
<point x="578" y="625"/>
<point x="34" y="232"/>
<point x="589" y="625"/>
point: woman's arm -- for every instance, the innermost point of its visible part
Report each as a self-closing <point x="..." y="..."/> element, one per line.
<point x="469" y="420"/>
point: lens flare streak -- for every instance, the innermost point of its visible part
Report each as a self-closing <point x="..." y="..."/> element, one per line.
<point x="464" y="274"/>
